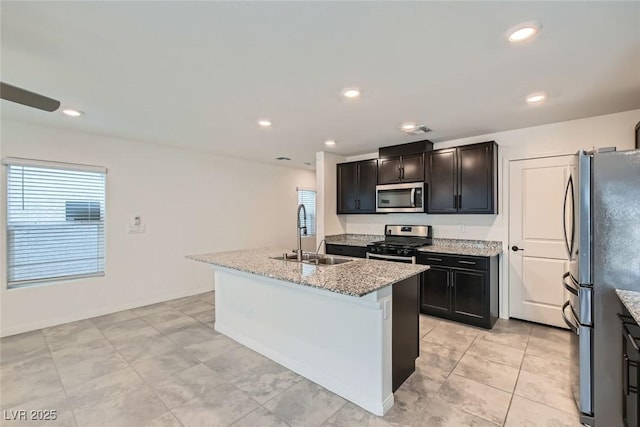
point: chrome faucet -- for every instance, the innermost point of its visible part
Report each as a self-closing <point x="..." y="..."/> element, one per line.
<point x="319" y="246"/>
<point x="300" y="227"/>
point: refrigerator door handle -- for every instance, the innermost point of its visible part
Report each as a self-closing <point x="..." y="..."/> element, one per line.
<point x="567" y="286"/>
<point x="568" y="246"/>
<point x="571" y="326"/>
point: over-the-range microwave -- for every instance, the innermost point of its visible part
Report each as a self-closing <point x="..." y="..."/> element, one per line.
<point x="400" y="197"/>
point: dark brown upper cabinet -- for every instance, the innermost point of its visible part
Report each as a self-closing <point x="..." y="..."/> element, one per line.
<point x="463" y="180"/>
<point x="407" y="168"/>
<point x="357" y="187"/>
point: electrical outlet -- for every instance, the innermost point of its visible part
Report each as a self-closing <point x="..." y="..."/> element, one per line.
<point x="462" y="228"/>
<point x="387" y="309"/>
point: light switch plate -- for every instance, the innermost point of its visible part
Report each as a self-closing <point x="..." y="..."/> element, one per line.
<point x="137" y="229"/>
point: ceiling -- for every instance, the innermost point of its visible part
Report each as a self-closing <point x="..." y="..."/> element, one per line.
<point x="200" y="74"/>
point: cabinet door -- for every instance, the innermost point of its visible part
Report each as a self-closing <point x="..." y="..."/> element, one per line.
<point x="476" y="183"/>
<point x="347" y="187"/>
<point x="442" y="182"/>
<point x="367" y="179"/>
<point x="468" y="293"/>
<point x="389" y="170"/>
<point x="434" y="295"/>
<point x="413" y="168"/>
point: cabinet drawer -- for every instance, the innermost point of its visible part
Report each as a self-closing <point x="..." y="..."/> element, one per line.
<point x="470" y="262"/>
<point x="345" y="250"/>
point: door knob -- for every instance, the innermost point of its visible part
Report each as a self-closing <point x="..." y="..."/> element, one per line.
<point x="516" y="249"/>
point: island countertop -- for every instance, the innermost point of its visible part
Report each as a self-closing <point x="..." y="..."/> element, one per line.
<point x="631" y="300"/>
<point x="356" y="278"/>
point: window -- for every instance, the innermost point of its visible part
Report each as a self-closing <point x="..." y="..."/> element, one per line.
<point x="55" y="221"/>
<point x="308" y="199"/>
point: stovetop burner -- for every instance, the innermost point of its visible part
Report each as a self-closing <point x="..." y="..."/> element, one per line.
<point x="393" y="244"/>
<point x="402" y="240"/>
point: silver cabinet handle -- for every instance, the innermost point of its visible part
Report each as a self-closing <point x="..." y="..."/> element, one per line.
<point x="467" y="262"/>
<point x="392" y="257"/>
<point x="434" y="259"/>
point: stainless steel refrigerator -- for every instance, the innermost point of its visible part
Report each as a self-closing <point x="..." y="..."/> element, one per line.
<point x="602" y="230"/>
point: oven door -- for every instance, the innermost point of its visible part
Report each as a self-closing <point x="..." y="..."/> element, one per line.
<point x="396" y="258"/>
<point x="400" y="197"/>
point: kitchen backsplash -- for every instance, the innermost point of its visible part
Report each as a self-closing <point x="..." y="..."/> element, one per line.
<point x="476" y="227"/>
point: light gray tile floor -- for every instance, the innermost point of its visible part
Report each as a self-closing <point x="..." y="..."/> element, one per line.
<point x="165" y="365"/>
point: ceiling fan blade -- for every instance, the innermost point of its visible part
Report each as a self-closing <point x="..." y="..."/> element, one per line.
<point x="30" y="99"/>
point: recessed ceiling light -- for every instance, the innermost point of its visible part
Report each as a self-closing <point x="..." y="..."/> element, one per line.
<point x="329" y="143"/>
<point x="536" y="98"/>
<point x="414" y="129"/>
<point x="283" y="158"/>
<point x="72" y="113"/>
<point x="264" y="123"/>
<point x="351" y="93"/>
<point x="523" y="32"/>
<point x="307" y="163"/>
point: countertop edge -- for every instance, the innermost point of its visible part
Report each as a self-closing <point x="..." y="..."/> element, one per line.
<point x="421" y="269"/>
<point x="631" y="301"/>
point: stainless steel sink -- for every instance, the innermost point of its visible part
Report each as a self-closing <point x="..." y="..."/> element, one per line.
<point x="327" y="260"/>
<point x="313" y="259"/>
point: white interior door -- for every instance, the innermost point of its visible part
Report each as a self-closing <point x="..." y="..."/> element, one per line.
<point x="536" y="196"/>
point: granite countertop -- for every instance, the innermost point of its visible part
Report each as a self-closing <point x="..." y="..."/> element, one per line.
<point x="631" y="300"/>
<point x="464" y="247"/>
<point x="356" y="278"/>
<point x="353" y="239"/>
<point x="443" y="246"/>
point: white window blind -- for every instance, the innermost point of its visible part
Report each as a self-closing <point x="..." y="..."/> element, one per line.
<point x="308" y="199"/>
<point x="55" y="223"/>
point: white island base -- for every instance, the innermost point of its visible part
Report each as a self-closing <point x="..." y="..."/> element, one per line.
<point x="340" y="342"/>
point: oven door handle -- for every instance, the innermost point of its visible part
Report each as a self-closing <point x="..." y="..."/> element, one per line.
<point x="571" y="326"/>
<point x="391" y="257"/>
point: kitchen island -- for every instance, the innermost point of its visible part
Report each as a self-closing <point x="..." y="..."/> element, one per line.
<point x="351" y="328"/>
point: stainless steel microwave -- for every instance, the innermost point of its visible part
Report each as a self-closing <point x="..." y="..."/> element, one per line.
<point x="400" y="197"/>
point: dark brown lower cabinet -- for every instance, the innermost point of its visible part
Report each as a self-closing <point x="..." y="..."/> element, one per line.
<point x="630" y="370"/>
<point x="462" y="288"/>
<point x="436" y="296"/>
<point x="346" y="250"/>
<point x="405" y="334"/>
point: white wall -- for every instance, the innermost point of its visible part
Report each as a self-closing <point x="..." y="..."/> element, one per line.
<point x="190" y="202"/>
<point x="539" y="141"/>
<point x="326" y="182"/>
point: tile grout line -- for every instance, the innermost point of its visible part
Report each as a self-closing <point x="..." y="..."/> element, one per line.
<point x="138" y="374"/>
<point x="136" y="371"/>
<point x="487" y="385"/>
<point x="517" y="378"/>
<point x="64" y="389"/>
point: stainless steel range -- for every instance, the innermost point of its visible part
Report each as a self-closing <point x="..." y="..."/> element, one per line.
<point x="401" y="243"/>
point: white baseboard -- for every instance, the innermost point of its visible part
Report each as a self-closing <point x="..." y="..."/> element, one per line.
<point x="310" y="372"/>
<point x="73" y="317"/>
